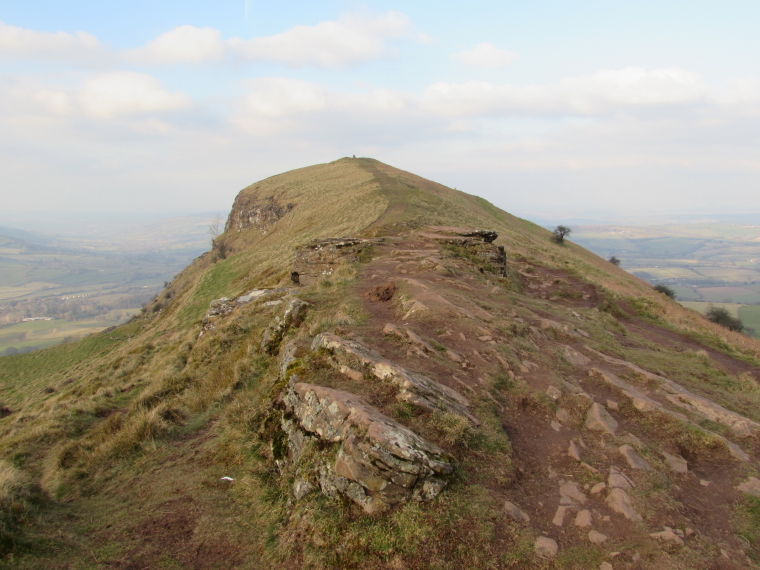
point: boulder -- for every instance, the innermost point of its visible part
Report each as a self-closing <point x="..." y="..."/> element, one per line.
<point x="596" y="537"/>
<point x="376" y="461"/>
<point x="575" y="357"/>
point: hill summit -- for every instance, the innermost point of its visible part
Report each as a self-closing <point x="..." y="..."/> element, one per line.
<point x="372" y="370"/>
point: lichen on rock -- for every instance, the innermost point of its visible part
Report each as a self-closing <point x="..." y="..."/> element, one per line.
<point x="377" y="462"/>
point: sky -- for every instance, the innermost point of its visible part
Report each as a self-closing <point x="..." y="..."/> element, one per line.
<point x="546" y="108"/>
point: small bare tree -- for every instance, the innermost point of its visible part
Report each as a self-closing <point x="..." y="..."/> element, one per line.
<point x="217" y="242"/>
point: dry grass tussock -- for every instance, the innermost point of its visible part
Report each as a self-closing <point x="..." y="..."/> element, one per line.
<point x="18" y="496"/>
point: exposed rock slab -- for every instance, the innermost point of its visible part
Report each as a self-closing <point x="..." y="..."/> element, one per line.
<point x="291" y="316"/>
<point x="379" y="462"/>
<point x="575" y="357"/>
<point x="416" y="389"/>
<point x="619" y="480"/>
<point x="318" y="259"/>
<point x="570" y="493"/>
<point x="644" y="403"/>
<point x="680" y="396"/>
<point x="634" y="459"/>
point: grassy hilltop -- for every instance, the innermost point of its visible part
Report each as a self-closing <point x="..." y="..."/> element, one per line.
<point x="157" y="444"/>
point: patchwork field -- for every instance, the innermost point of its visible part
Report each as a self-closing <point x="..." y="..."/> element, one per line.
<point x="706" y="262"/>
<point x="87" y="278"/>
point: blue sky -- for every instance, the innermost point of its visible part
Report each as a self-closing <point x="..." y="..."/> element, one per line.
<point x="547" y="108"/>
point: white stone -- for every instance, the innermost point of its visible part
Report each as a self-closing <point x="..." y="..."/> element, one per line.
<point x="598" y="488"/>
<point x="596" y="537"/>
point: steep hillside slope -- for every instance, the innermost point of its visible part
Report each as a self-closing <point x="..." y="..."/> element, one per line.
<point x="371" y="370"/>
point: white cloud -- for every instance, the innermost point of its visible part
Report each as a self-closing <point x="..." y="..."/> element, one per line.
<point x="22" y="42"/>
<point x="352" y="39"/>
<point x="274" y="97"/>
<point x="186" y="44"/>
<point x="485" y="55"/>
<point x="603" y="92"/>
<point x="111" y="94"/>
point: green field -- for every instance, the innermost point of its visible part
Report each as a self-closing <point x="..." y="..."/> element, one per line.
<point x="21" y="337"/>
<point x="748" y="314"/>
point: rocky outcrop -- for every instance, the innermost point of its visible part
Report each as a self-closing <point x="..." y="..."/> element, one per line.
<point x="477" y="243"/>
<point x="248" y="212"/>
<point x="373" y="460"/>
<point x="415" y="389"/>
<point x="319" y="258"/>
<point x="292" y="316"/>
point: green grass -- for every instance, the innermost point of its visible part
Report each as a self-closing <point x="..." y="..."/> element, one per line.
<point x="702" y="307"/>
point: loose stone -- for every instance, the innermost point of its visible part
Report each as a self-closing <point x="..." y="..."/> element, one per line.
<point x="599" y="419"/>
<point x="513" y="511"/>
<point x="546" y="547"/>
<point x="583" y="518"/>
